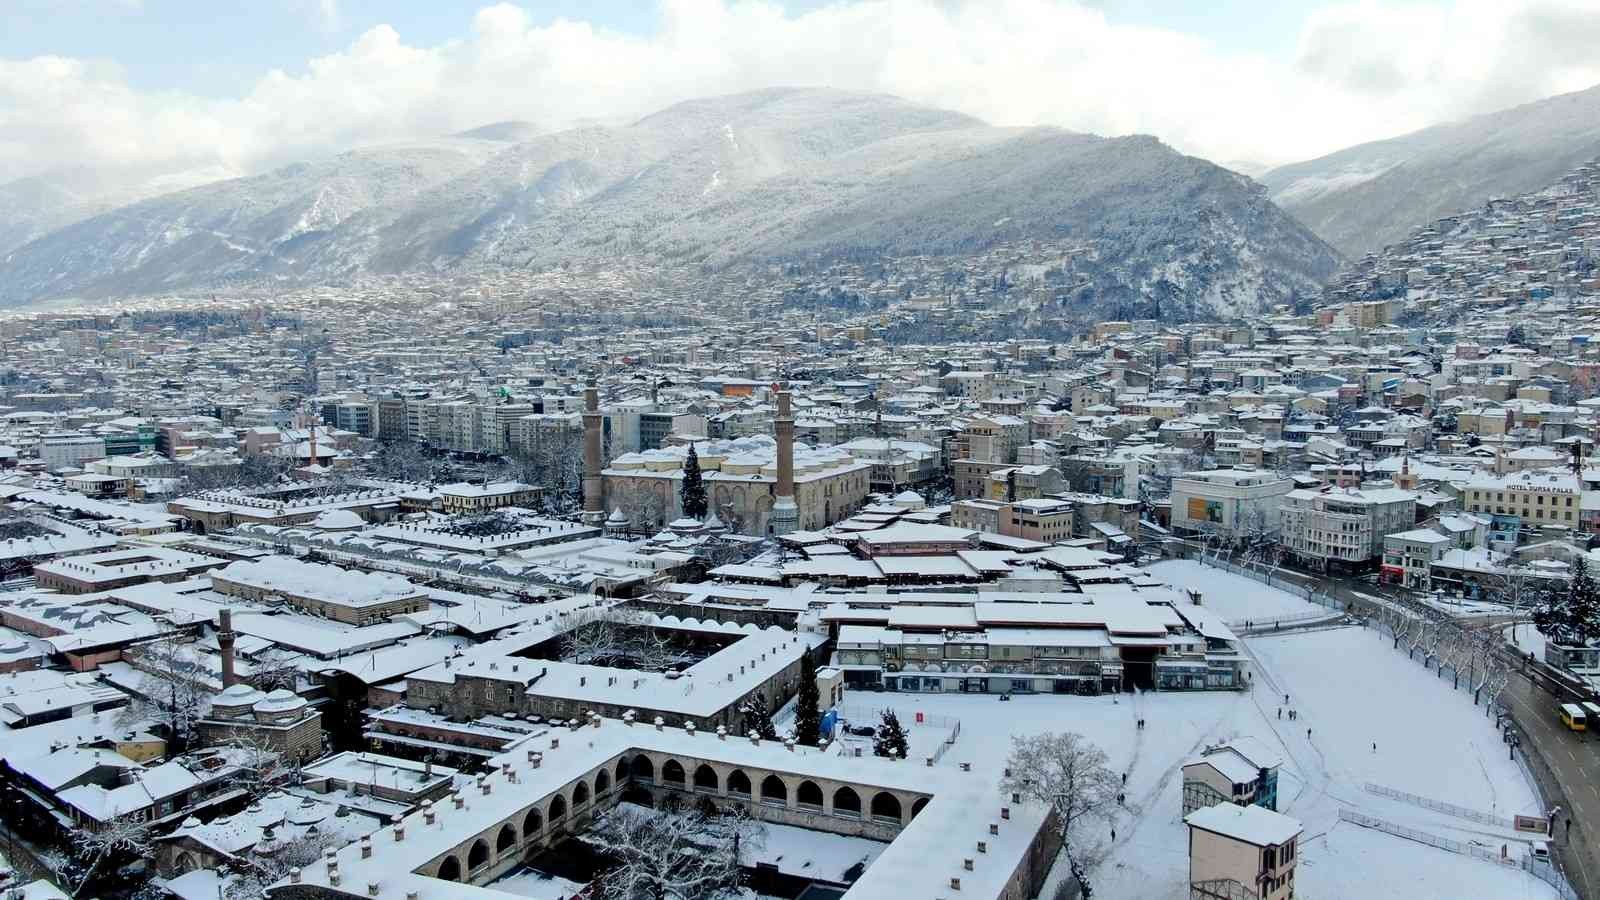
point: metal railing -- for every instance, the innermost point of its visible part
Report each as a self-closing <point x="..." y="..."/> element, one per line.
<point x="1423" y="837"/>
<point x="1541" y="870"/>
<point x="1321" y="598"/>
<point x="1269" y="621"/>
<point x="1220" y="889"/>
<point x="1449" y="809"/>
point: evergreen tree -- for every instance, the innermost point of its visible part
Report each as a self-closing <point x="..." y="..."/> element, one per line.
<point x="890" y="740"/>
<point x="807" y="714"/>
<point x="693" y="492"/>
<point x="758" y="719"/>
<point x="1570" y="614"/>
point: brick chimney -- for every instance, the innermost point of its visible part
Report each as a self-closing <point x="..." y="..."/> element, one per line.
<point x="225" y="639"/>
<point x="594" y="511"/>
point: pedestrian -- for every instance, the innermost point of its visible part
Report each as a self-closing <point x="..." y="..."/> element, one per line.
<point x="1113" y="835"/>
<point x="1308" y="734"/>
<point x="1124" y="777"/>
<point x="1374" y="746"/>
<point x="1122" y="799"/>
<point x="1285" y="698"/>
<point x="1280" y="712"/>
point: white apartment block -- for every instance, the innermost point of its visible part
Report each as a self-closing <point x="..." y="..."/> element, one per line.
<point x="59" y="450"/>
<point x="1232" y="503"/>
<point x="1344" y="526"/>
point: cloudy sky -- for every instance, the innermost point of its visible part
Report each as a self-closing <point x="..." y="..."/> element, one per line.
<point x="175" y="84"/>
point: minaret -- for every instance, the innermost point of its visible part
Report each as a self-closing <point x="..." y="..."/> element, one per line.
<point x="225" y="639"/>
<point x="594" y="510"/>
<point x="785" y="515"/>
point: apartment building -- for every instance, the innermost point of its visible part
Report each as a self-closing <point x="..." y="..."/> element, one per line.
<point x="1333" y="528"/>
<point x="1249" y="846"/>
<point x="1231" y="503"/>
<point x="62" y="450"/>
<point x="1043" y="520"/>
<point x="1547" y="497"/>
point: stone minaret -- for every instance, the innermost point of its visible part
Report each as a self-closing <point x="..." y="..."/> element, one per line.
<point x="785" y="515"/>
<point x="594" y="509"/>
<point x="225" y="639"/>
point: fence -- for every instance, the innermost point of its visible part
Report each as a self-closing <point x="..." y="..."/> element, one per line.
<point x="1269" y="622"/>
<point x="861" y="715"/>
<point x="948" y="743"/>
<point x="1449" y="809"/>
<point x="1321" y="598"/>
<point x="1540" y="870"/>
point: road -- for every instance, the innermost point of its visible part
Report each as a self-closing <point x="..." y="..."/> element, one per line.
<point x="1569" y="760"/>
<point x="1574" y="764"/>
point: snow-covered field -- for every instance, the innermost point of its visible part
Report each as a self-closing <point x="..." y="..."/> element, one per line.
<point x="1234" y="597"/>
<point x="1352" y="691"/>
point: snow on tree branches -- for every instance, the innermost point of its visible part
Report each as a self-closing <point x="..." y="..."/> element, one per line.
<point x="672" y="855"/>
<point x="890" y="740"/>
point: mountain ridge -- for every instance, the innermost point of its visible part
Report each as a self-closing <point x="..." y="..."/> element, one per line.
<point x="715" y="181"/>
<point x="1364" y="197"/>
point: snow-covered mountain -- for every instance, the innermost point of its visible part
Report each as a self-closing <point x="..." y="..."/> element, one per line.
<point x="39" y="204"/>
<point x="1365" y="197"/>
<point x="716" y="182"/>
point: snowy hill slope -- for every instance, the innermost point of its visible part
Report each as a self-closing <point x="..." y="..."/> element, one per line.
<point x="1365" y="197"/>
<point x="719" y="182"/>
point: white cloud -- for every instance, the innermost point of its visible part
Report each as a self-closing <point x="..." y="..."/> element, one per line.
<point x="1360" y="71"/>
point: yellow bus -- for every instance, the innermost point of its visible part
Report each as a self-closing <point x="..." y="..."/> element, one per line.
<point x="1572" y="716"/>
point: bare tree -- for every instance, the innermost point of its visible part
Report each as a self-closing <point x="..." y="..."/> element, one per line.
<point x="644" y="510"/>
<point x="1416" y="634"/>
<point x="273" y="669"/>
<point x="1455" y="651"/>
<point x="613" y="635"/>
<point x="174" y="688"/>
<point x="1515" y="587"/>
<point x="1071" y="776"/>
<point x="667" y="855"/>
<point x="271" y="861"/>
<point x="123" y="837"/>
<point x="1489" y="672"/>
<point x="1433" y="635"/>
<point x="406" y="461"/>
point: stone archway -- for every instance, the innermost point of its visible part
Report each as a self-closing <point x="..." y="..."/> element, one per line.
<point x="580" y="794"/>
<point x="705" y="778"/>
<point x="450" y="869"/>
<point x="672" y="773"/>
<point x="478" y="855"/>
<point x="808" y="796"/>
<point x="739" y="783"/>
<point x="886" y="808"/>
<point x="507" y="838"/>
<point x="602" y="783"/>
<point x="532" y="823"/>
<point x="643" y="769"/>
<point x="847" y="803"/>
<point x="774" y="791"/>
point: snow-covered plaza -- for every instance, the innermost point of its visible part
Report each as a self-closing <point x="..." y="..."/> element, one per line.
<point x="1364" y="714"/>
